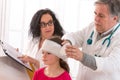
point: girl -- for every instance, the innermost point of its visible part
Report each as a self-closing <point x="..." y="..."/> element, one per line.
<point x="55" y="61"/>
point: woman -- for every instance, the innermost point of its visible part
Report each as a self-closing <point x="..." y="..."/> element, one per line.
<point x="44" y="24"/>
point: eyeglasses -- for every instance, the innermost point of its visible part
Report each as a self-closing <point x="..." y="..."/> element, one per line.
<point x="49" y="23"/>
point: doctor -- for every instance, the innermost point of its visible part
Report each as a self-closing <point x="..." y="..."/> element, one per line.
<point x="99" y="55"/>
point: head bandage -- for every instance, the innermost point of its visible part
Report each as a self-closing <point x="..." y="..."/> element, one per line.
<point x="54" y="48"/>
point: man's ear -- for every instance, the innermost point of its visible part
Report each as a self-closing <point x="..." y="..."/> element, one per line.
<point x="115" y="18"/>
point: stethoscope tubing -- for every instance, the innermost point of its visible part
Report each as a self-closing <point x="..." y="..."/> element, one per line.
<point x="89" y="41"/>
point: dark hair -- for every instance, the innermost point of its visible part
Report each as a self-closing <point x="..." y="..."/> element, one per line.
<point x="63" y="63"/>
<point x="113" y="6"/>
<point x="34" y="30"/>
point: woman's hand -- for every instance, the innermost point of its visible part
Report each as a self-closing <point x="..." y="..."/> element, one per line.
<point x="28" y="59"/>
<point x="25" y="59"/>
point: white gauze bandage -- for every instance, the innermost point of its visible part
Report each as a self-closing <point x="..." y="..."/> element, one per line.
<point x="54" y="48"/>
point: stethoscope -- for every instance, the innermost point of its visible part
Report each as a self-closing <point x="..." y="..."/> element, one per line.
<point x="89" y="41"/>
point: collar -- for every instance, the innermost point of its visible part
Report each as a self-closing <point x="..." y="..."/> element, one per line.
<point x="109" y="31"/>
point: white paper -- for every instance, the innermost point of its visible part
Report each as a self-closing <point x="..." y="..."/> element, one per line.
<point x="11" y="52"/>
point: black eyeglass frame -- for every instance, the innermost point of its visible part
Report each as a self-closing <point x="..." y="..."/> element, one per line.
<point x="49" y="23"/>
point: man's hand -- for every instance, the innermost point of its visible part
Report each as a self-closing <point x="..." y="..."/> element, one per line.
<point x="74" y="52"/>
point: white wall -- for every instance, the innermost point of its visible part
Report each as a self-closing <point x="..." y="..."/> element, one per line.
<point x="3" y="23"/>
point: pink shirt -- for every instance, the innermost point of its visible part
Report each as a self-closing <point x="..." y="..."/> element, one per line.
<point x="39" y="75"/>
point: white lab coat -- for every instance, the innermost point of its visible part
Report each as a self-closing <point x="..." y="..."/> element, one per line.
<point x="32" y="50"/>
<point x="108" y="65"/>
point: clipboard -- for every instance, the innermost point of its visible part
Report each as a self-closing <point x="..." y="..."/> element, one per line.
<point x="12" y="53"/>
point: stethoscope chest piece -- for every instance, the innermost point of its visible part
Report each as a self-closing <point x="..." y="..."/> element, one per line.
<point x="89" y="41"/>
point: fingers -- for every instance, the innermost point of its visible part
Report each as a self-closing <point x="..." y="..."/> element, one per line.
<point x="24" y="58"/>
<point x="73" y="52"/>
<point x="17" y="49"/>
<point x="70" y="50"/>
<point x="65" y="41"/>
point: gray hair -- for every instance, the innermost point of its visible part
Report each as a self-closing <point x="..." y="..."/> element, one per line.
<point x="113" y="6"/>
